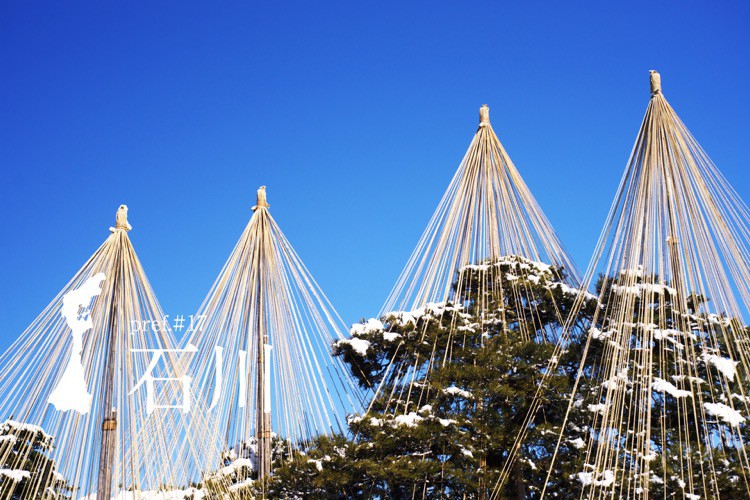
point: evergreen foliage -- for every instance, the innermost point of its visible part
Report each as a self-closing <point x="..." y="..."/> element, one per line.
<point x="456" y="380"/>
<point x="26" y="471"/>
<point x="692" y="370"/>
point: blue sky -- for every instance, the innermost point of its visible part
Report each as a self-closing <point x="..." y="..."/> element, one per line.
<point x="354" y="115"/>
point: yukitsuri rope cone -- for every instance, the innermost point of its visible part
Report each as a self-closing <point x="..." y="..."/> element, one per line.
<point x="486" y="213"/>
<point x="74" y="422"/>
<point x="265" y="357"/>
<point x="661" y="401"/>
<point x="488" y="271"/>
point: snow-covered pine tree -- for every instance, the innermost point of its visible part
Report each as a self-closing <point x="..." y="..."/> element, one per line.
<point x="329" y="467"/>
<point x="238" y="478"/>
<point x="668" y="416"/>
<point x="451" y="438"/>
<point x="473" y="371"/>
<point x="695" y="427"/>
<point x="26" y="470"/>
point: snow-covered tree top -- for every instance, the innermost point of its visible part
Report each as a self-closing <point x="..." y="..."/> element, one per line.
<point x="10" y="427"/>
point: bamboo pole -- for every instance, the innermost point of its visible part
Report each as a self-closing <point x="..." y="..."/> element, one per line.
<point x="263" y="407"/>
<point x="109" y="413"/>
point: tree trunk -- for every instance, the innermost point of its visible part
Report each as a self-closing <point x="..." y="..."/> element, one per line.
<point x="482" y="486"/>
<point x="518" y="483"/>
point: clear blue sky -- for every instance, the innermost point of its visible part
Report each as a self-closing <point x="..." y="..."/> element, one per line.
<point x="355" y="115"/>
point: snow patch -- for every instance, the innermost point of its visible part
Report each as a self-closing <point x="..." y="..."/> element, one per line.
<point x="15" y="475"/>
<point x="455" y="391"/>
<point x="612" y="383"/>
<point x="360" y="346"/>
<point x="724" y="365"/>
<point x="597" y="408"/>
<point x="577" y="443"/>
<point x="587" y="478"/>
<point x="724" y="412"/>
<point x="409" y="420"/>
<point x="661" y="385"/>
<point x="372" y="325"/>
<point x="190" y="493"/>
<point x="391" y="336"/>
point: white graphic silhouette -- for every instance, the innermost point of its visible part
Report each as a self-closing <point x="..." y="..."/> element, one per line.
<point x="72" y="392"/>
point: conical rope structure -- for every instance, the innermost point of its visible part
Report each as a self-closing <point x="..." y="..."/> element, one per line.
<point x="81" y="420"/>
<point x="487" y="213"/>
<point x="271" y="384"/>
<point x="661" y="397"/>
<point x="487" y="232"/>
<point x="488" y="271"/>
